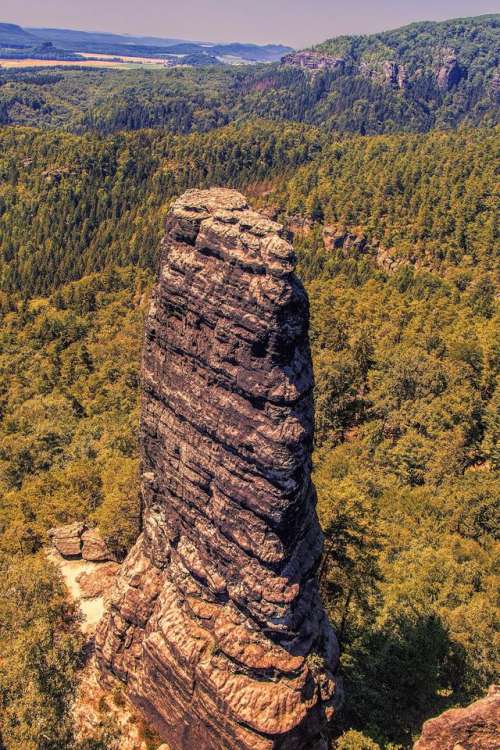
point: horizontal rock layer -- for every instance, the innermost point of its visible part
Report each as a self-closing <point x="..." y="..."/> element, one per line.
<point x="216" y="624"/>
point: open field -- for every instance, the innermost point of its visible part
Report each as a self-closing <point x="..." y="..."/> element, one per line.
<point x="121" y="59"/>
<point x="104" y="61"/>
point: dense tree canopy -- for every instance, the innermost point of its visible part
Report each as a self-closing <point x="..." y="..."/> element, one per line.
<point x="71" y="205"/>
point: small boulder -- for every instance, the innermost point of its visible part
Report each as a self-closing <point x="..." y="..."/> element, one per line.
<point x="95" y="548"/>
<point x="99" y="581"/>
<point x="68" y="539"/>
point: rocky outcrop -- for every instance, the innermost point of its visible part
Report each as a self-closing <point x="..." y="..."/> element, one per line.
<point x="311" y="60"/>
<point x="391" y="72"/>
<point x="444" y="66"/>
<point x="94" y="547"/>
<point x="387" y="72"/>
<point x="476" y="727"/>
<point x="495" y="87"/>
<point x="216" y="624"/>
<point x="77" y="540"/>
<point x="449" y="71"/>
<point x="338" y="238"/>
<point x="353" y="244"/>
<point x="297" y="224"/>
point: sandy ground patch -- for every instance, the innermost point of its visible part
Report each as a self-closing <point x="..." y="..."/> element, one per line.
<point x="122" y="58"/>
<point x="92" y="609"/>
<point x="101" y="702"/>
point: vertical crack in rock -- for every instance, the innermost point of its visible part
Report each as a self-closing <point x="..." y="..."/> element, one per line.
<point x="216" y="624"/>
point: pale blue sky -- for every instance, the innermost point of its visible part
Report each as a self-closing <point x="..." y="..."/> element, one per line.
<point x="294" y="22"/>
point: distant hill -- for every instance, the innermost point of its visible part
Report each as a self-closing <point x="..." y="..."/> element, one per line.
<point x="419" y="43"/>
<point x="149" y="46"/>
<point x="72" y="37"/>
<point x="41" y="51"/>
<point x="419" y="56"/>
<point x="247" y="52"/>
<point x="420" y="77"/>
<point x="14" y="36"/>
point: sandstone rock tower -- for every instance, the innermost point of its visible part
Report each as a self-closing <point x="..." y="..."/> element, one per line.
<point x="216" y="624"/>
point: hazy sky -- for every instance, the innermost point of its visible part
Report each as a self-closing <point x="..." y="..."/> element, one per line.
<point x="294" y="22"/>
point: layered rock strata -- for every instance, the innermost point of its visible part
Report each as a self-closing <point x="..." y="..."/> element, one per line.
<point x="216" y="624"/>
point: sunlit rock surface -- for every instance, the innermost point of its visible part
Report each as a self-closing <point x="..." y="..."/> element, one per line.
<point x="476" y="727"/>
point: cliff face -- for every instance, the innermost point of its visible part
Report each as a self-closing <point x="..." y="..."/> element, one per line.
<point x="216" y="624"/>
<point x="448" y="72"/>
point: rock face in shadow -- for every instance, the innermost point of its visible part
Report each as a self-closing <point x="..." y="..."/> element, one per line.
<point x="476" y="727"/>
<point x="449" y="72"/>
<point x="216" y="624"/>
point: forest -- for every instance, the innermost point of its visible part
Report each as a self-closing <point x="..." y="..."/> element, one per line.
<point x="71" y="205"/>
<point x="406" y="359"/>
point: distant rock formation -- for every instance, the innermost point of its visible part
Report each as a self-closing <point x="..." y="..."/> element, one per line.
<point x="386" y="72"/>
<point x="216" y="624"/>
<point x="449" y="71"/>
<point x="495" y="87"/>
<point x="446" y="68"/>
<point x="391" y="72"/>
<point x="476" y="727"/>
<point x="314" y="61"/>
<point x="353" y="243"/>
